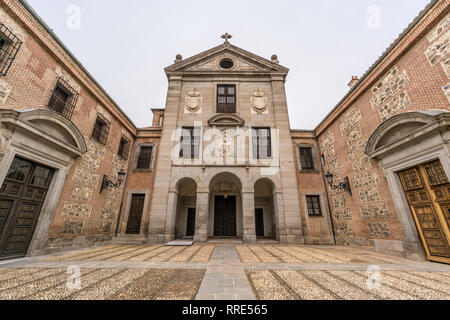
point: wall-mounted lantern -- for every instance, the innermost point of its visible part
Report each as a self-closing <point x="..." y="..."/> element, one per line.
<point x="341" y="186"/>
<point x="108" y="183"/>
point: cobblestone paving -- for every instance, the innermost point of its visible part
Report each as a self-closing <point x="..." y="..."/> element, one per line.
<point x="154" y="253"/>
<point x="348" y="285"/>
<point x="100" y="284"/>
<point x="223" y="272"/>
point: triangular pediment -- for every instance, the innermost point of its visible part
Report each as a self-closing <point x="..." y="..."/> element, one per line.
<point x="209" y="61"/>
<point x="226" y="120"/>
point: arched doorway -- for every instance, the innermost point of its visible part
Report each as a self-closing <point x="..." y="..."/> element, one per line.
<point x="186" y="209"/>
<point x="225" y="212"/>
<point x="265" y="221"/>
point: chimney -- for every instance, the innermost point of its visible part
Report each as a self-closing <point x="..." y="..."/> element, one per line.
<point x="354" y="81"/>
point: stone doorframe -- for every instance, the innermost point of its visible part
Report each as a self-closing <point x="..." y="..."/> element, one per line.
<point x="47" y="138"/>
<point x="124" y="224"/>
<point x="402" y="142"/>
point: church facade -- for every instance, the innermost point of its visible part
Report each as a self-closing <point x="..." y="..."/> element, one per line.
<point x="221" y="160"/>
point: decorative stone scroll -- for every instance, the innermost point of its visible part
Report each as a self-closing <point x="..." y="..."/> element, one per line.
<point x="259" y="103"/>
<point x="194" y="102"/>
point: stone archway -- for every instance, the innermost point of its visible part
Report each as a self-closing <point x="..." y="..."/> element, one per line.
<point x="45" y="140"/>
<point x="265" y="217"/>
<point x="186" y="208"/>
<point x="225" y="206"/>
<point x="404" y="145"/>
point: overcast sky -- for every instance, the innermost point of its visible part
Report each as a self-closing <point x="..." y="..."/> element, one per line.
<point x="126" y="44"/>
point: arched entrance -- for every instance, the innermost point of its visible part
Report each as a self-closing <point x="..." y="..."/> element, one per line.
<point x="186" y="209"/>
<point x="412" y="149"/>
<point x="37" y="147"/>
<point x="225" y="211"/>
<point x="265" y="222"/>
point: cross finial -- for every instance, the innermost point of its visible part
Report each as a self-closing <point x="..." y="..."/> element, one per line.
<point x="227" y="37"/>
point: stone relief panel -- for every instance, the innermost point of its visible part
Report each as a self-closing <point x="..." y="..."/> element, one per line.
<point x="259" y="103"/>
<point x="194" y="102"/>
<point x="389" y="94"/>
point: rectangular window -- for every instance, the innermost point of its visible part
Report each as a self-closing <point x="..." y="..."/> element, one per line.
<point x="101" y="129"/>
<point x="63" y="99"/>
<point x="190" y="143"/>
<point x="226" y="99"/>
<point x="145" y="156"/>
<point x="9" y="46"/>
<point x="124" y="147"/>
<point x="262" y="143"/>
<point x="313" y="203"/>
<point x="306" y="158"/>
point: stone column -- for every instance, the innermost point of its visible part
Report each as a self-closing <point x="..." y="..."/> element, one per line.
<point x="291" y="202"/>
<point x="248" y="217"/>
<point x="160" y="198"/>
<point x="172" y="206"/>
<point x="201" y="217"/>
<point x="279" y="217"/>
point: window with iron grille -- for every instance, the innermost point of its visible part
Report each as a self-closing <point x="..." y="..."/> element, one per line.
<point x="226" y="99"/>
<point x="124" y="147"/>
<point x="101" y="129"/>
<point x="262" y="143"/>
<point x="306" y="158"/>
<point x="190" y="143"/>
<point x="63" y="99"/>
<point x="144" y="157"/>
<point x="9" y="46"/>
<point x="314" y="209"/>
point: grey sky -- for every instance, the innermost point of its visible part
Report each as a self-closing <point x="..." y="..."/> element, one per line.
<point x="126" y="44"/>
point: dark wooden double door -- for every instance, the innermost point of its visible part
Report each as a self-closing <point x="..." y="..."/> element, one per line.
<point x="21" y="198"/>
<point x="225" y="216"/>
<point x="427" y="189"/>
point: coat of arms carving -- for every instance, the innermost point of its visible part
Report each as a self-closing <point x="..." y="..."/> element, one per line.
<point x="259" y="102"/>
<point x="194" y="102"/>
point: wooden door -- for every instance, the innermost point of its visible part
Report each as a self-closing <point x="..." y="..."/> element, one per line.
<point x="190" y="228"/>
<point x="225" y="216"/>
<point x="259" y="221"/>
<point x="428" y="193"/>
<point x="21" y="198"/>
<point x="135" y="216"/>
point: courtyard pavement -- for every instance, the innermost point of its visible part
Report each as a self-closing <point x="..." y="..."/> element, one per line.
<point x="222" y="272"/>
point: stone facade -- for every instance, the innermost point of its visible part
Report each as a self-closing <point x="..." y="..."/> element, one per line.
<point x="413" y="75"/>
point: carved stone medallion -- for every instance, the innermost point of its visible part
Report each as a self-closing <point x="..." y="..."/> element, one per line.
<point x="259" y="102"/>
<point x="194" y="102"/>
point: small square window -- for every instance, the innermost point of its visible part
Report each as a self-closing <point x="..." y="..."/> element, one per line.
<point x="144" y="157"/>
<point x="101" y="129"/>
<point x="63" y="99"/>
<point x="9" y="46"/>
<point x="313" y="203"/>
<point x="124" y="147"/>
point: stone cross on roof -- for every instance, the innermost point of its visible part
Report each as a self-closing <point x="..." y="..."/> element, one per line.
<point x="227" y="36"/>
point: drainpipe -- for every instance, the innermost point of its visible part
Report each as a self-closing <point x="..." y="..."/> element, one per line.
<point x="125" y="189"/>
<point x="326" y="189"/>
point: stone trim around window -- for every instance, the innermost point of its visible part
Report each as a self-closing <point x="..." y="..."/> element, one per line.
<point x="137" y="153"/>
<point x="314" y="155"/>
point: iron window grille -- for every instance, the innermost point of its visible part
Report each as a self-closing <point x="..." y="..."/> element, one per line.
<point x="190" y="143"/>
<point x="64" y="99"/>
<point x="101" y="129"/>
<point x="9" y="46"/>
<point x="313" y="203"/>
<point x="226" y="99"/>
<point x="262" y="143"/>
<point x="124" y="147"/>
<point x="306" y="158"/>
<point x="144" y="160"/>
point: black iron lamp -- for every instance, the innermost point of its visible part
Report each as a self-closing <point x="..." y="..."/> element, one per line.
<point x="341" y="186"/>
<point x="108" y="183"/>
